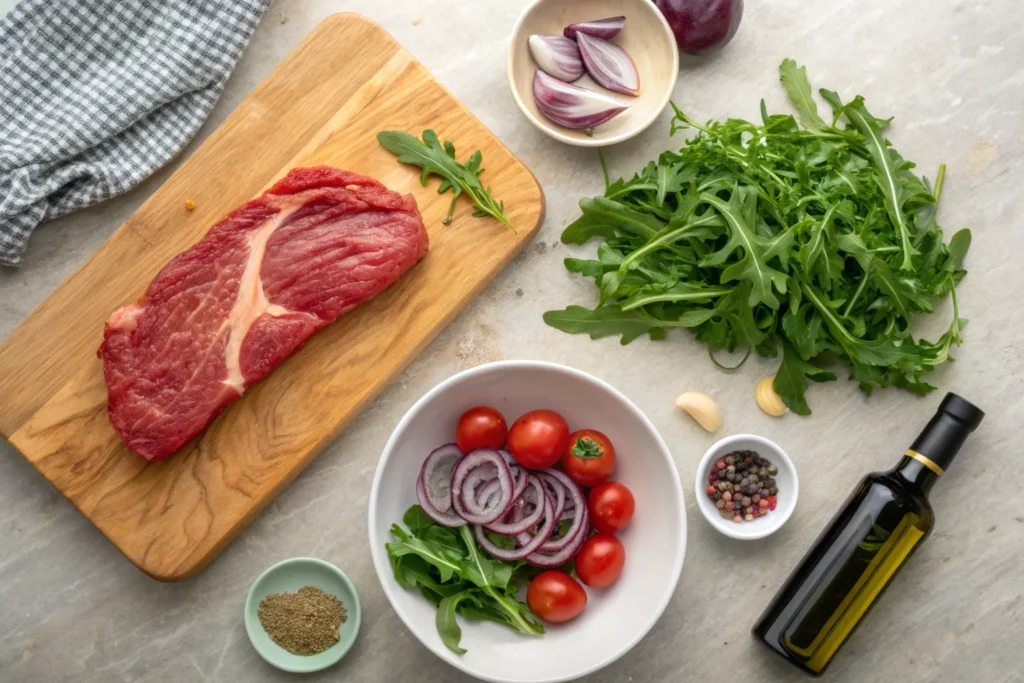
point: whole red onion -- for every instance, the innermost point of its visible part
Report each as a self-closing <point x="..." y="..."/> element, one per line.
<point x="702" y="26"/>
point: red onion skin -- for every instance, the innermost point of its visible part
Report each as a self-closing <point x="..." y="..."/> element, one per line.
<point x="702" y="27"/>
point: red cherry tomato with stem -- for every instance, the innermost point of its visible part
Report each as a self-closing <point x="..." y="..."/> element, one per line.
<point x="538" y="439"/>
<point x="481" y="427"/>
<point x="611" y="507"/>
<point x="590" y="458"/>
<point x="556" y="597"/>
<point x="599" y="562"/>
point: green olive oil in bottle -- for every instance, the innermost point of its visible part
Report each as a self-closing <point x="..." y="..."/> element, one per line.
<point x="882" y="523"/>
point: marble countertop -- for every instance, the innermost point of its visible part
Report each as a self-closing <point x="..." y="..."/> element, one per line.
<point x="72" y="609"/>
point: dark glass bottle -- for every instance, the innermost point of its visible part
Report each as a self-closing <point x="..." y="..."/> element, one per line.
<point x="862" y="548"/>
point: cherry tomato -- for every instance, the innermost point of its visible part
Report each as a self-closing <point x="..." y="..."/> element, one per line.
<point x="590" y="458"/>
<point x="599" y="562"/>
<point x="611" y="506"/>
<point x="538" y="438"/>
<point x="481" y="427"/>
<point x="556" y="597"/>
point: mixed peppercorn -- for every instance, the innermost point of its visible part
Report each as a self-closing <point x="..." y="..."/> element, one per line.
<point x="743" y="486"/>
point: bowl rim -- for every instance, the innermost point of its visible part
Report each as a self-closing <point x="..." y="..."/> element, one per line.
<point x="354" y="615"/>
<point x="383" y="569"/>
<point x="549" y="128"/>
<point x="776" y="522"/>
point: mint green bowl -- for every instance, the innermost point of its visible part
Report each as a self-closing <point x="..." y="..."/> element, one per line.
<point x="287" y="577"/>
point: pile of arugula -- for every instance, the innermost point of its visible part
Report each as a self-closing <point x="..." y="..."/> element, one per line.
<point x="451" y="571"/>
<point x="816" y="240"/>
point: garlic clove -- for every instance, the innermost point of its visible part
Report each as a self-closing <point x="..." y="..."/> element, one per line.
<point x="702" y="409"/>
<point x="767" y="399"/>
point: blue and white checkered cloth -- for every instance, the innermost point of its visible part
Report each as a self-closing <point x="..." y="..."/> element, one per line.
<point x="95" y="95"/>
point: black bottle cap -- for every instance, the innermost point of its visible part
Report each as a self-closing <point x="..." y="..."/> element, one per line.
<point x="946" y="432"/>
<point x="962" y="409"/>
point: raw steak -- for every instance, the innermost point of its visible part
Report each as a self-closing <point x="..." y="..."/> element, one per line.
<point x="224" y="313"/>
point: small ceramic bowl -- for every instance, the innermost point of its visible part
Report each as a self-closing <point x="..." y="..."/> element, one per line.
<point x="287" y="577"/>
<point x="646" y="37"/>
<point x="786" y="479"/>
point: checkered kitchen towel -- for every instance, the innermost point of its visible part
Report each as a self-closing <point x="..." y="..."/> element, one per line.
<point x="95" y="95"/>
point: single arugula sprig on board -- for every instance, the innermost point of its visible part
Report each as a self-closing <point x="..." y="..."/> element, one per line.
<point x="437" y="159"/>
<point x="817" y="241"/>
<point x="450" y="570"/>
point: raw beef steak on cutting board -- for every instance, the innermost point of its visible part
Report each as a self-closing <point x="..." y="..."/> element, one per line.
<point x="225" y="312"/>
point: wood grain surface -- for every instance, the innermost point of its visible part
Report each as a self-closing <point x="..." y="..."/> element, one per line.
<point x="324" y="104"/>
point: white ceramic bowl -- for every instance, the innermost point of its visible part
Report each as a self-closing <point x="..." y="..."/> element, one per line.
<point x="616" y="618"/>
<point x="787" y="481"/>
<point x="646" y="37"/>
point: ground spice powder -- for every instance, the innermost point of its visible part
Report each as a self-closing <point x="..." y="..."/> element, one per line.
<point x="306" y="622"/>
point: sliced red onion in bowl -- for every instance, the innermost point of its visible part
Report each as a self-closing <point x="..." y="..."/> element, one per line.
<point x="521" y="517"/>
<point x="519" y="474"/>
<point x="557" y="559"/>
<point x="486" y="495"/>
<point x="609" y="64"/>
<point x="475" y="482"/>
<point x="558" y="56"/>
<point x="463" y="499"/>
<point x="602" y="28"/>
<point x="553" y="545"/>
<point x="572" y="106"/>
<point x="522" y="551"/>
<point x="443" y="518"/>
<point x="436" y="475"/>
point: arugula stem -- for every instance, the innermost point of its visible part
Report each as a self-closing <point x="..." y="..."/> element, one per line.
<point x="939" y="178"/>
<point x="604" y="170"/>
<point x="711" y="355"/>
<point x="856" y="294"/>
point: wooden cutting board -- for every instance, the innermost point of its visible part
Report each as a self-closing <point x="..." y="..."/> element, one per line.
<point x="324" y="104"/>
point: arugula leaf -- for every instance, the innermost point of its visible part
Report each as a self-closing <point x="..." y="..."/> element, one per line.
<point x="794" y="79"/>
<point x="451" y="571"/>
<point x="437" y="159"/>
<point x="791" y="379"/>
<point x="811" y="236"/>
<point x="601" y="322"/>
<point x="447" y="625"/>
<point x="753" y="264"/>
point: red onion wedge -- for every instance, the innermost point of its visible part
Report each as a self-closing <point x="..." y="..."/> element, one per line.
<point x="442" y="518"/>
<point x="609" y="64"/>
<point x="522" y="517"/>
<point x="436" y="475"/>
<point x="463" y="497"/>
<point x="601" y="28"/>
<point x="557" y="56"/>
<point x="572" y="106"/>
<point x="557" y="559"/>
<point x="520" y="552"/>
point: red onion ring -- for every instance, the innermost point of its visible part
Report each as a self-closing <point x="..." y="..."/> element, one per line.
<point x="436" y="475"/>
<point x="443" y="518"/>
<point x="463" y="496"/>
<point x="519" y="553"/>
<point x="520" y="520"/>
<point x="557" y="559"/>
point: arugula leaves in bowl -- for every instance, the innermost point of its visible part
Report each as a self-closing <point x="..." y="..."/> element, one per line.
<point x="450" y="570"/>
<point x="797" y="235"/>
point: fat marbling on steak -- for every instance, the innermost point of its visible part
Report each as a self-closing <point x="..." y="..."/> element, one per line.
<point x="225" y="312"/>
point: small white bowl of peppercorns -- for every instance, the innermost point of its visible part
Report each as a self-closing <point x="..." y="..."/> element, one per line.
<point x="746" y="486"/>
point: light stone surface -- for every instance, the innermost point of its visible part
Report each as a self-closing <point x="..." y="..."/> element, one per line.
<point x="72" y="609"/>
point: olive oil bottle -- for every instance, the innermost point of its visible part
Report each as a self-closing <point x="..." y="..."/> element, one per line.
<point x="882" y="523"/>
